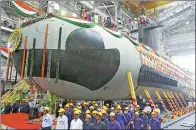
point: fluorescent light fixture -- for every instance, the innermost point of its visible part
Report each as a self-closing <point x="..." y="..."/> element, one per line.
<point x="74" y="15"/>
<point x="187" y="23"/>
<point x="63" y="12"/>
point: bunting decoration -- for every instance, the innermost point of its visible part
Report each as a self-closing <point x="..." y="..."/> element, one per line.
<point x="59" y="55"/>
<point x="26" y="62"/>
<point x="23" y="9"/>
<point x="114" y="33"/>
<point x="7" y="66"/>
<point x="32" y="58"/>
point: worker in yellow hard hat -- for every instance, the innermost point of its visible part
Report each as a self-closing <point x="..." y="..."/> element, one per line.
<point x="91" y="108"/>
<point x="112" y="109"/>
<point x="87" y="112"/>
<point x="62" y="120"/>
<point x="47" y="121"/>
<point x="137" y="122"/>
<point x="76" y="123"/>
<point x="68" y="113"/>
<point x="120" y="118"/>
<point x="154" y="123"/>
<point x="96" y="106"/>
<point x="126" y="113"/>
<point x="93" y="116"/>
<point x="145" y="119"/>
<point x="99" y="124"/>
<point x="104" y="118"/>
<point x="87" y="125"/>
<point x="113" y="124"/>
<point x="157" y="112"/>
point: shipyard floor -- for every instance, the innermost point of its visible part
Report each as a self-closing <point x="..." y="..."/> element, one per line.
<point x="186" y="122"/>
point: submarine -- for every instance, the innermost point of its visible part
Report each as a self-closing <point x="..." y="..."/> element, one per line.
<point x="94" y="61"/>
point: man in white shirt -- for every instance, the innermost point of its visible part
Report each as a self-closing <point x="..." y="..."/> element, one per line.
<point x="76" y="123"/>
<point x="47" y="122"/>
<point x="62" y="121"/>
<point x="148" y="108"/>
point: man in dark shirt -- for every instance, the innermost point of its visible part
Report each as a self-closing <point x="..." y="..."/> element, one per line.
<point x="99" y="125"/>
<point x="15" y="106"/>
<point x="8" y="108"/>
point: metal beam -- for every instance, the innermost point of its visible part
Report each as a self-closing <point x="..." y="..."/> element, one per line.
<point x="180" y="47"/>
<point x="182" y="52"/>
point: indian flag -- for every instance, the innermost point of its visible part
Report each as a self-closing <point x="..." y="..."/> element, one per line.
<point x="23" y="9"/>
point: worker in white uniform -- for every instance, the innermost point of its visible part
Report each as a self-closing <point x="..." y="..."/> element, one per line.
<point x="62" y="121"/>
<point x="76" y="123"/>
<point x="47" y="122"/>
<point x="148" y="109"/>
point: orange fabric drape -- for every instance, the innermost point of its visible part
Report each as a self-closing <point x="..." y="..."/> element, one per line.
<point x="44" y="52"/>
<point x="23" y="59"/>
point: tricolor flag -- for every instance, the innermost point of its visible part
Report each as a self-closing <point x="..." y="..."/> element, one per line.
<point x="23" y="9"/>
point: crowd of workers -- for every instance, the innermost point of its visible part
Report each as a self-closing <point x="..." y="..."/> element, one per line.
<point x="90" y="115"/>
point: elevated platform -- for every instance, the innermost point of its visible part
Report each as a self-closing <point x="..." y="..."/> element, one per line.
<point x="186" y="121"/>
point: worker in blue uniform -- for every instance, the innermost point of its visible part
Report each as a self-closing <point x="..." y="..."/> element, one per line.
<point x="137" y="122"/>
<point x="99" y="125"/>
<point x="68" y="114"/>
<point x="93" y="116"/>
<point x="154" y="123"/>
<point x="8" y="108"/>
<point x="104" y="118"/>
<point x="87" y="125"/>
<point x="113" y="124"/>
<point x="157" y="112"/>
<point x="15" y="106"/>
<point x="127" y="115"/>
<point x="145" y="119"/>
<point x="120" y="118"/>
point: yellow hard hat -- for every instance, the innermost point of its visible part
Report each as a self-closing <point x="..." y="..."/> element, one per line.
<point x="79" y="111"/>
<point x="118" y="107"/>
<point x="99" y="113"/>
<point x="144" y="111"/>
<point x="103" y="111"/>
<point x="105" y="108"/>
<point x="75" y="109"/>
<point x="91" y="107"/>
<point x="126" y="108"/>
<point x="94" y="112"/>
<point x="107" y="104"/>
<point x="88" y="115"/>
<point x="67" y="105"/>
<point x="156" y="110"/>
<point x="70" y="104"/>
<point x="76" y="112"/>
<point x="112" y="108"/>
<point x="96" y="105"/>
<point x="79" y="107"/>
<point x="46" y="108"/>
<point x="87" y="112"/>
<point x="61" y="110"/>
<point x="112" y="114"/>
<point x="136" y="113"/>
<point x="93" y="102"/>
<point x="85" y="103"/>
<point x="153" y="113"/>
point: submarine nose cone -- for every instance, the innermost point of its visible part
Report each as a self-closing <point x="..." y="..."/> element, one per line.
<point x="84" y="61"/>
